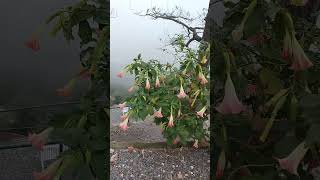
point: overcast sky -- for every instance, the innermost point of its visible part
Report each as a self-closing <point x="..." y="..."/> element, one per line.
<point x="132" y="34"/>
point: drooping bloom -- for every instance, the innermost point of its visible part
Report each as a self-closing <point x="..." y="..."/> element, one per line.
<point x="131" y="89"/>
<point x="293" y="52"/>
<point x="292" y="161"/>
<point x="49" y="173"/>
<point x="157" y="82"/>
<point x="221" y="165"/>
<point x="204" y="60"/>
<point x="230" y="103"/>
<point x="175" y="141"/>
<point x="124" y="116"/>
<point x="121" y="106"/>
<point x="179" y="113"/>
<point x="201" y="112"/>
<point x="33" y="44"/>
<point x="124" y="124"/>
<point x="67" y="89"/>
<point x="195" y="144"/>
<point x="181" y="94"/>
<point x="170" y="123"/>
<point x="202" y="79"/>
<point x="39" y="140"/>
<point x="158" y="114"/>
<point x="147" y="84"/>
<point x="120" y="74"/>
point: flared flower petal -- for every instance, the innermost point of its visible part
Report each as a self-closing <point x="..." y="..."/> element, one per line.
<point x="170" y="123"/>
<point x="124" y="124"/>
<point x="123" y="105"/>
<point x="195" y="144"/>
<point x="120" y="74"/>
<point x="147" y="84"/>
<point x="230" y="103"/>
<point x="201" y="112"/>
<point x="292" y="161"/>
<point x="67" y="89"/>
<point x="158" y="114"/>
<point x="39" y="140"/>
<point x="131" y="89"/>
<point x="202" y="79"/>
<point x="33" y="44"/>
<point x="299" y="59"/>
<point x="157" y="82"/>
<point x="181" y="94"/>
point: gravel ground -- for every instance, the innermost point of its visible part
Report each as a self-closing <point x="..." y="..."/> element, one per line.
<point x="186" y="163"/>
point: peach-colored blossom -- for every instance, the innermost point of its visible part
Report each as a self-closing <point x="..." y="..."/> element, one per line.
<point x="201" y="112"/>
<point x="170" y="123"/>
<point x="195" y="144"/>
<point x="157" y="82"/>
<point x="221" y="165"/>
<point x="120" y="74"/>
<point x="158" y="114"/>
<point x="49" y="173"/>
<point x="124" y="124"/>
<point x="147" y="84"/>
<point x="39" y="140"/>
<point x="292" y="161"/>
<point x="230" y="103"/>
<point x="202" y="79"/>
<point x="181" y="94"/>
<point x="131" y="89"/>
<point x="123" y="105"/>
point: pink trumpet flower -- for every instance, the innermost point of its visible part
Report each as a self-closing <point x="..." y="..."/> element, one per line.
<point x="202" y="79"/>
<point x="181" y="94"/>
<point x="121" y="106"/>
<point x="120" y="74"/>
<point x="230" y="103"/>
<point x="124" y="124"/>
<point x="292" y="161"/>
<point x="157" y="82"/>
<point x="221" y="165"/>
<point x="39" y="140"/>
<point x="158" y="114"/>
<point x="49" y="173"/>
<point x="170" y="124"/>
<point x="147" y="84"/>
<point x="123" y="117"/>
<point x="131" y="89"/>
<point x="201" y="112"/>
<point x="33" y="44"/>
<point x="179" y="113"/>
<point x="195" y="144"/>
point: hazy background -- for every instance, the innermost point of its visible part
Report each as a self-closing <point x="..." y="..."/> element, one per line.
<point x="132" y="34"/>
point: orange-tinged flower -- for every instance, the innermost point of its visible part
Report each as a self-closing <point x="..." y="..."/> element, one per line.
<point x="33" y="44"/>
<point x="292" y="161"/>
<point x="84" y="73"/>
<point x="170" y="123"/>
<point x="122" y="105"/>
<point x="202" y="79"/>
<point x="67" y="89"/>
<point x="157" y="82"/>
<point x="221" y="165"/>
<point x="230" y="103"/>
<point x="49" y="173"/>
<point x="120" y="74"/>
<point x="39" y="140"/>
<point x="147" y="84"/>
<point x="195" y="144"/>
<point x="181" y="94"/>
<point x="201" y="112"/>
<point x="158" y="114"/>
<point x="131" y="89"/>
<point x="124" y="124"/>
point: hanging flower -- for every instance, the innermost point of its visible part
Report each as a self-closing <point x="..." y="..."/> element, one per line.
<point x="221" y="165"/>
<point x="147" y="84"/>
<point x="204" y="60"/>
<point x="120" y="74"/>
<point x="175" y="141"/>
<point x="292" y="161"/>
<point x="49" y="173"/>
<point x="121" y="106"/>
<point x="67" y="89"/>
<point x="157" y="82"/>
<point x="179" y="113"/>
<point x="124" y="124"/>
<point x="124" y="116"/>
<point x="39" y="140"/>
<point x="230" y="103"/>
<point x="202" y="79"/>
<point x="131" y="89"/>
<point x="181" y="94"/>
<point x="33" y="44"/>
<point x="195" y="144"/>
<point x="201" y="112"/>
<point x="158" y="114"/>
<point x="170" y="124"/>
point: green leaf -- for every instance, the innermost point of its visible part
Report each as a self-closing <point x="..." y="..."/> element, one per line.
<point x="254" y="22"/>
<point x="270" y="81"/>
<point x="85" y="32"/>
<point x="313" y="135"/>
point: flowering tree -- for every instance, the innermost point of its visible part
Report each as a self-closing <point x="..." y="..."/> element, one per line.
<point x="265" y="68"/>
<point x="84" y="130"/>
<point x="176" y="95"/>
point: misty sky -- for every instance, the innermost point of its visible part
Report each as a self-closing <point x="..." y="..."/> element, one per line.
<point x="132" y="34"/>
